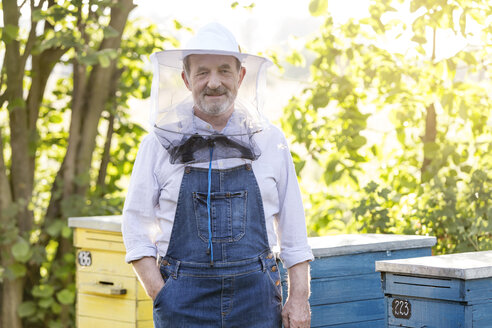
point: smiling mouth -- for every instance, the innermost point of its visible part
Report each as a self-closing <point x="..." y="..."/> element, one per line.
<point x="218" y="92"/>
<point x="214" y="95"/>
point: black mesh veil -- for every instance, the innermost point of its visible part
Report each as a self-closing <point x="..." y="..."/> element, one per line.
<point x="188" y="142"/>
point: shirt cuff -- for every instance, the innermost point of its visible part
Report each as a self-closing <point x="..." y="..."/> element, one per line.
<point x="140" y="252"/>
<point x="290" y="257"/>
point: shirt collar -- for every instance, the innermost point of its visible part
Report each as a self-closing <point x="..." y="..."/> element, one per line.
<point x="204" y="128"/>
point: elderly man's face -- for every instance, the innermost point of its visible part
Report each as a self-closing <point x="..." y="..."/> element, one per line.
<point x="214" y="81"/>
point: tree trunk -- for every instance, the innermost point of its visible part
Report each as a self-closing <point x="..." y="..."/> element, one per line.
<point x="19" y="188"/>
<point x="23" y="116"/>
<point x="12" y="297"/>
<point x="11" y="289"/>
<point x="430" y="133"/>
<point x="430" y="119"/>
<point x="42" y="66"/>
<point x="99" y="86"/>
<point x="106" y="153"/>
<point x="109" y="133"/>
<point x="90" y="97"/>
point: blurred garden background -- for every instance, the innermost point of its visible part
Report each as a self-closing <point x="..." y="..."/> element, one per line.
<point x="386" y="104"/>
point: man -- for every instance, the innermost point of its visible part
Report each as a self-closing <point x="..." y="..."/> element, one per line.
<point x="212" y="190"/>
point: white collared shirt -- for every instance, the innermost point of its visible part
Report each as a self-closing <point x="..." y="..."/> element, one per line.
<point x="150" y="206"/>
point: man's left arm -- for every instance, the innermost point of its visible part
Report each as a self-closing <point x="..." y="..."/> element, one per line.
<point x="296" y="312"/>
<point x="295" y="251"/>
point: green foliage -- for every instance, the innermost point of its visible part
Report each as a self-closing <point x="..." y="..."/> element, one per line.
<point x="10" y="33"/>
<point x="248" y="7"/>
<point x="66" y="296"/>
<point x="370" y="156"/>
<point x="27" y="309"/>
<point x="50" y="292"/>
<point x="318" y="7"/>
<point x="21" y="251"/>
<point x="16" y="270"/>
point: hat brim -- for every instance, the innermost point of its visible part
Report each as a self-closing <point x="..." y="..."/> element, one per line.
<point x="174" y="58"/>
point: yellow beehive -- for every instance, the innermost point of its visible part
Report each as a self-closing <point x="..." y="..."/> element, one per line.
<point x="108" y="291"/>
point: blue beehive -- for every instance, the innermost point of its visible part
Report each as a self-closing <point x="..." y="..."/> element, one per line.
<point x="345" y="288"/>
<point x="447" y="291"/>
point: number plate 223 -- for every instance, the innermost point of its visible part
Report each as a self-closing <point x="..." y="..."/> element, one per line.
<point x="401" y="309"/>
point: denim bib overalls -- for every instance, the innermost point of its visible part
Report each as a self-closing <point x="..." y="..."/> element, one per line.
<point x="219" y="270"/>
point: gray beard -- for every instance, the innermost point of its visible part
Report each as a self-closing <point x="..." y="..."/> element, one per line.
<point x="214" y="109"/>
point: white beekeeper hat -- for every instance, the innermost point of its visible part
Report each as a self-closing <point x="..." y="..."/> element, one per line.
<point x="172" y="105"/>
<point x="211" y="39"/>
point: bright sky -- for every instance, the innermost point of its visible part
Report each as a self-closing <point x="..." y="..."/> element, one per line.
<point x="268" y="24"/>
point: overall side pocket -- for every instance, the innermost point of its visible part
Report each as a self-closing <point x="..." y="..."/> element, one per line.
<point x="167" y="282"/>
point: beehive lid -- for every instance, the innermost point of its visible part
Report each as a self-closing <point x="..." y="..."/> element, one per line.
<point x="472" y="265"/>
<point x="364" y="243"/>
<point x="105" y="223"/>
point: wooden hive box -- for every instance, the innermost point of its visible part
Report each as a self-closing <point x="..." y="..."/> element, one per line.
<point x="345" y="288"/>
<point x="443" y="291"/>
<point x="109" y="294"/>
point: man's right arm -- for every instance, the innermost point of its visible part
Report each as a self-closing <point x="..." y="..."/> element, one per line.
<point x="139" y="225"/>
<point x="149" y="275"/>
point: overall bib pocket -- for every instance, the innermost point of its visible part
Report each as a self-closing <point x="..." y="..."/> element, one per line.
<point x="228" y="215"/>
